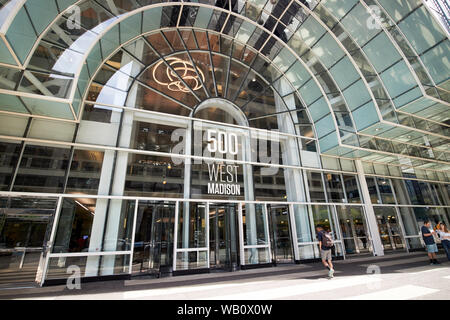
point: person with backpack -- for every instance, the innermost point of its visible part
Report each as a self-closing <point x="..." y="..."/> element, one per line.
<point x="428" y="239"/>
<point x="325" y="245"/>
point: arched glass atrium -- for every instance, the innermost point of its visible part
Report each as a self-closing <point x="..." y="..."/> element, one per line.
<point x="145" y="137"/>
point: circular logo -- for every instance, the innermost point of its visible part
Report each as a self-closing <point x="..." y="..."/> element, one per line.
<point x="179" y="69"/>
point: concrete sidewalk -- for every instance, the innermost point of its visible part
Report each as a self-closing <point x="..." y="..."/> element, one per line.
<point x="407" y="275"/>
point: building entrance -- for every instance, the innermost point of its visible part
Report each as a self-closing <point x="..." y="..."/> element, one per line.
<point x="389" y="227"/>
<point x="23" y="234"/>
<point x="280" y="234"/>
<point x="153" y="246"/>
<point x="223" y="237"/>
<point x="354" y="230"/>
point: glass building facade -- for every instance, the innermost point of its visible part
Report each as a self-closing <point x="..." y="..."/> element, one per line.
<point x="142" y="137"/>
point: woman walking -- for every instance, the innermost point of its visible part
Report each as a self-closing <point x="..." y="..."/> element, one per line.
<point x="444" y="235"/>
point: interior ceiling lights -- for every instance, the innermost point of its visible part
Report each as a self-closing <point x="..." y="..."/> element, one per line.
<point x="175" y="70"/>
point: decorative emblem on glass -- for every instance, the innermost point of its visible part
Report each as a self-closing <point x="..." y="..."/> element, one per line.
<point x="179" y="69"/>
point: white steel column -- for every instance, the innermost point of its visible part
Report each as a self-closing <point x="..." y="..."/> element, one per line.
<point x="188" y="140"/>
<point x="293" y="228"/>
<point x="133" y="234"/>
<point x="250" y="209"/>
<point x="370" y="213"/>
<point x="98" y="225"/>
<point x="267" y="231"/>
<point x="117" y="206"/>
<point x="241" y="235"/>
<point x="104" y="237"/>
<point x="295" y="188"/>
<point x="208" y="264"/>
<point x="175" y="236"/>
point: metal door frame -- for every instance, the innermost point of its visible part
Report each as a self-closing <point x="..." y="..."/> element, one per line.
<point x="156" y="204"/>
<point x="272" y="232"/>
<point x="228" y="238"/>
<point x="198" y="250"/>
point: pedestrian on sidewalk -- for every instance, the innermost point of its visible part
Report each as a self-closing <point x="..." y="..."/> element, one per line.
<point x="427" y="236"/>
<point x="444" y="235"/>
<point x="325" y="245"/>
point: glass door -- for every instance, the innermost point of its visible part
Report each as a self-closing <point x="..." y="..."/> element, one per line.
<point x="353" y="229"/>
<point x="24" y="231"/>
<point x="280" y="234"/>
<point x="389" y="228"/>
<point x="223" y="235"/>
<point x="153" y="244"/>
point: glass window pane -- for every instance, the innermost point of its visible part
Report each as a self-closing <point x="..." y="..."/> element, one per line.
<point x="254" y="220"/>
<point x="421" y="29"/>
<point x="297" y="75"/>
<point x="338" y="8"/>
<point x="400" y="191"/>
<point x="57" y="267"/>
<point x="192" y="260"/>
<point x="372" y="190"/>
<point x="9" y="155"/>
<point x="220" y="66"/>
<point x="352" y="189"/>
<point x="85" y="171"/>
<point x="334" y="187"/>
<point x="256" y="255"/>
<point x="25" y="222"/>
<point x="319" y="109"/>
<point x="73" y="233"/>
<point x="344" y="73"/>
<point x="398" y="79"/>
<point x="201" y="59"/>
<point x="147" y="99"/>
<point x="410" y="224"/>
<point x="42" y="169"/>
<point x="325" y="126"/>
<point x="152" y="176"/>
<point x="419" y="192"/>
<point x="315" y="186"/>
<point x="302" y="223"/>
<point x="270" y="183"/>
<point x="347" y="165"/>
<point x="365" y="116"/>
<point x="387" y="197"/>
<point x="438" y="66"/>
<point x="119" y="227"/>
<point x="310" y="31"/>
<point x="310" y="92"/>
<point x="156" y="136"/>
<point x="191" y="225"/>
<point x="355" y="23"/>
<point x="381" y="59"/>
<point x="327" y="50"/>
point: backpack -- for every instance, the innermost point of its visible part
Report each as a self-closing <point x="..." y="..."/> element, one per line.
<point x="327" y="240"/>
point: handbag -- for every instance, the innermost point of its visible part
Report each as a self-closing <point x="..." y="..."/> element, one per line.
<point x="436" y="237"/>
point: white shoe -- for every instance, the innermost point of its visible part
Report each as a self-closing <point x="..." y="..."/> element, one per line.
<point x="331" y="273"/>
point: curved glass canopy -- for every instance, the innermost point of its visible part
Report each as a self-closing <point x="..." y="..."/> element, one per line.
<point x="173" y="71"/>
<point x="372" y="74"/>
